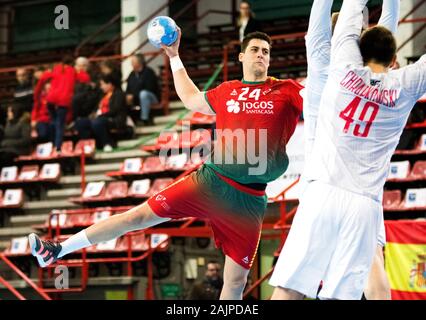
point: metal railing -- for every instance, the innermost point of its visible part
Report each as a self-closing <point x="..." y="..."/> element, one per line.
<point x="54" y="232"/>
<point x="9" y="287"/>
<point x="282" y="224"/>
<point x="118" y="40"/>
<point x="187" y="27"/>
<point x="98" y="32"/>
<point x="39" y="290"/>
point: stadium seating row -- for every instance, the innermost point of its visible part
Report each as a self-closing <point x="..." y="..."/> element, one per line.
<point x="50" y="172"/>
<point x="46" y="151"/>
<point x="101" y="192"/>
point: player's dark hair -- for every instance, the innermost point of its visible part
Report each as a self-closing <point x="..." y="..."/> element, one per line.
<point x="255" y="35"/>
<point x="378" y="45"/>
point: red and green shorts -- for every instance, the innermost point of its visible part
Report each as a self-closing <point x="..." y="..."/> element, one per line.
<point x="235" y="211"/>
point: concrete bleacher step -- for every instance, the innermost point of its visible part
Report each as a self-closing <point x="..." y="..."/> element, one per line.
<point x="121" y="155"/>
<point x="102" y="167"/>
<point x="128" y="143"/>
<point x="166" y="119"/>
<point x="177" y="104"/>
<point x="63" y="193"/>
<point x="49" y="205"/>
<point x="4" y="244"/>
<point x="89" y="178"/>
<point x="28" y="220"/>
<point x="148" y="130"/>
<point x="15" y="232"/>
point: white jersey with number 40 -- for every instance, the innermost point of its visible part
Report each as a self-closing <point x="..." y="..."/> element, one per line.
<point x="362" y="114"/>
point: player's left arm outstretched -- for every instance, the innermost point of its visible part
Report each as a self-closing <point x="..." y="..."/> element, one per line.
<point x="390" y="15"/>
<point x="344" y="44"/>
<point x="187" y="91"/>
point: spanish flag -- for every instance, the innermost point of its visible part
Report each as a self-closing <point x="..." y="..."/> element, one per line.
<point x="405" y="258"/>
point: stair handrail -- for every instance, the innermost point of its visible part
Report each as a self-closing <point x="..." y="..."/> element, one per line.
<point x="9" y="287"/>
<point x="120" y="39"/>
<point x="96" y="33"/>
<point x="39" y="290"/>
<point x="194" y="22"/>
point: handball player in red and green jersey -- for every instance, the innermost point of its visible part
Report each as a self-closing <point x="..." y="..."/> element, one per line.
<point x="255" y="118"/>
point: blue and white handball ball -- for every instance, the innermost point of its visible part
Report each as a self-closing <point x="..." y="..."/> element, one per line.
<point x="162" y="30"/>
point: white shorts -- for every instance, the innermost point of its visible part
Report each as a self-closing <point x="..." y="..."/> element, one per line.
<point x="333" y="238"/>
<point x="381" y="239"/>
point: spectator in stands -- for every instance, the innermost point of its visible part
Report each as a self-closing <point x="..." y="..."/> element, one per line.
<point x="38" y="72"/>
<point x="111" y="114"/>
<point x="211" y="286"/>
<point x="85" y="103"/>
<point x="40" y="118"/>
<point x="142" y="88"/>
<point x="86" y="98"/>
<point x="110" y="67"/>
<point x="24" y="89"/>
<point x="63" y="78"/>
<point x="82" y="64"/>
<point x="17" y="135"/>
<point x="246" y="22"/>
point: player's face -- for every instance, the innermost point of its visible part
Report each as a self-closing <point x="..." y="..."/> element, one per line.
<point x="256" y="58"/>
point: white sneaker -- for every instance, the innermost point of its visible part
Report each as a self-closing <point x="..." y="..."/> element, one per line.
<point x="107" y="148"/>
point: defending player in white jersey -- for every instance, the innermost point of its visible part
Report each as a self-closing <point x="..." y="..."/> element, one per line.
<point x="363" y="111"/>
<point x="318" y="46"/>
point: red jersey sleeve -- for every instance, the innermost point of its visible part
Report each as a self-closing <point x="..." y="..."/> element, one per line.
<point x="294" y="104"/>
<point x="293" y="93"/>
<point x="213" y="97"/>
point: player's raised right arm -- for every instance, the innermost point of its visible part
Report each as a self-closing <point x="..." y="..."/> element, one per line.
<point x="191" y="96"/>
<point x="318" y="37"/>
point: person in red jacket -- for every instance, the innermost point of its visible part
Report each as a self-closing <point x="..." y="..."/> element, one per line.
<point x="40" y="118"/>
<point x="62" y="78"/>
